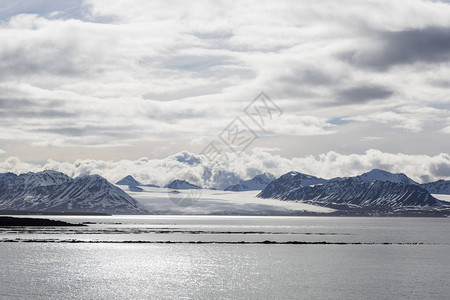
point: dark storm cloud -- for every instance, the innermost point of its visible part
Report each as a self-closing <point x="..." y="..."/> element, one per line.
<point x="428" y="45"/>
<point x="363" y="94"/>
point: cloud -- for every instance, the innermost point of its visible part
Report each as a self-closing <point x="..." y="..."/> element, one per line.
<point x="309" y="75"/>
<point x="424" y="45"/>
<point x="198" y="170"/>
<point x="396" y="120"/>
<point x="96" y="74"/>
<point x="372" y="138"/>
<point x="363" y="94"/>
<point x="446" y="129"/>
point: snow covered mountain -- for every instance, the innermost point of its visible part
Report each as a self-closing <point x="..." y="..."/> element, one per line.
<point x="54" y="191"/>
<point x="381" y="175"/>
<point x="278" y="187"/>
<point x="384" y="191"/>
<point x="128" y="180"/>
<point x="258" y="182"/>
<point x="368" y="194"/>
<point x="181" y="185"/>
<point x="437" y="187"/>
<point x="30" y="179"/>
<point x="133" y="183"/>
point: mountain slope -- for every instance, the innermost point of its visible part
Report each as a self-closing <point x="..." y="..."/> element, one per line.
<point x="45" y="191"/>
<point x="278" y="187"/>
<point x="381" y="175"/>
<point x="368" y="194"/>
<point x="128" y="180"/>
<point x="181" y="185"/>
<point x="258" y="182"/>
<point x="437" y="187"/>
<point x="30" y="179"/>
<point x="133" y="183"/>
<point x="386" y="191"/>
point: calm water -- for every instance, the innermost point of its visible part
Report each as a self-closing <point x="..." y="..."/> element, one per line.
<point x="49" y="266"/>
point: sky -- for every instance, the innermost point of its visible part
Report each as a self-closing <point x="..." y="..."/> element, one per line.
<point x="356" y="85"/>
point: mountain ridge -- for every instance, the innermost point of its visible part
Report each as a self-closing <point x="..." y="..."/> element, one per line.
<point x="178" y="184"/>
<point x="256" y="183"/>
<point x="437" y="187"/>
<point x="371" y="189"/>
<point x="129" y="180"/>
<point x="43" y="191"/>
<point x="382" y="175"/>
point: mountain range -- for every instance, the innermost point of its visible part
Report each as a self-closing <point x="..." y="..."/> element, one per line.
<point x="52" y="191"/>
<point x="437" y="187"/>
<point x="376" y="189"/>
<point x="57" y="192"/>
<point x="381" y="175"/>
<point x="288" y="182"/>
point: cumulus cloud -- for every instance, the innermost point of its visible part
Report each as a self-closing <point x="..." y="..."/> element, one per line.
<point x="198" y="170"/>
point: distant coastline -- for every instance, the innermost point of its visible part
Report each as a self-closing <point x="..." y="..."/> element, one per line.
<point x="14" y="222"/>
<point x="11" y="212"/>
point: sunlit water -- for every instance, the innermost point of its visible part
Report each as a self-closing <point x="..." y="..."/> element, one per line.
<point x="366" y="258"/>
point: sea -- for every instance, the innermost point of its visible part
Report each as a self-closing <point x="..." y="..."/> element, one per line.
<point x="227" y="257"/>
